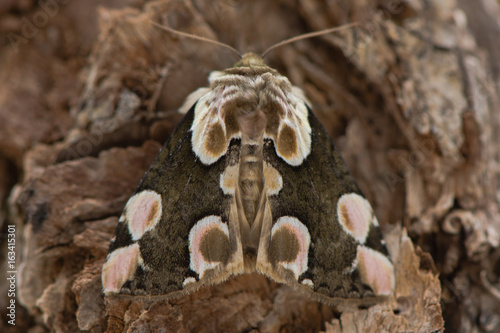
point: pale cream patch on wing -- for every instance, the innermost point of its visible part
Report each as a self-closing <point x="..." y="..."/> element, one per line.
<point x="375" y="270"/>
<point x="142" y="213"/>
<point x="208" y="244"/>
<point x="308" y="282"/>
<point x="289" y="127"/>
<point x="209" y="139"/>
<point x="293" y="141"/>
<point x="289" y="246"/>
<point x="120" y="267"/>
<point x="272" y="179"/>
<point x="188" y="280"/>
<point x="355" y="215"/>
<point x="229" y="179"/>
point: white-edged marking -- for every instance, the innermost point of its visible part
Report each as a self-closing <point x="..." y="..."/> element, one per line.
<point x="197" y="262"/>
<point x="355" y="215"/>
<point x="188" y="280"/>
<point x="296" y="117"/>
<point x="120" y="267"/>
<point x="297" y="228"/>
<point x="142" y="213"/>
<point x="308" y="282"/>
<point x="207" y="114"/>
<point x="375" y="270"/>
<point x="210" y="113"/>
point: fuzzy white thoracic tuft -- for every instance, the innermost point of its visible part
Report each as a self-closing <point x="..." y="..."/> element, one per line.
<point x="240" y="95"/>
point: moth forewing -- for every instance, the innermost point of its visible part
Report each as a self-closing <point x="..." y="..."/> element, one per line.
<point x="249" y="181"/>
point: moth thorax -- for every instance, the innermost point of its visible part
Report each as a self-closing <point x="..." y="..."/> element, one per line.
<point x="252" y="124"/>
<point x="251" y="176"/>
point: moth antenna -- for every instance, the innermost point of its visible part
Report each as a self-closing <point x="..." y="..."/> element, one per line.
<point x="195" y="37"/>
<point x="308" y="35"/>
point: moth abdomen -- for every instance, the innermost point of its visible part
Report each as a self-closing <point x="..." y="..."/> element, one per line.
<point x="251" y="177"/>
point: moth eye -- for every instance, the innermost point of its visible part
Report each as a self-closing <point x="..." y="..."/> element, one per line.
<point x="120" y="267"/>
<point x="290" y="245"/>
<point x="375" y="270"/>
<point x="355" y="215"/>
<point x="142" y="213"/>
<point x="208" y="244"/>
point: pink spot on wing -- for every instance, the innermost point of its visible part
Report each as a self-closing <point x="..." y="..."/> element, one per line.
<point x="143" y="212"/>
<point x="299" y="265"/>
<point x="376" y="270"/>
<point x="355" y="215"/>
<point x="120" y="267"/>
<point x="197" y="262"/>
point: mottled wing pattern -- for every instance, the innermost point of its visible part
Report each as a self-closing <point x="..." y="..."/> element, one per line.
<point x="324" y="236"/>
<point x="174" y="232"/>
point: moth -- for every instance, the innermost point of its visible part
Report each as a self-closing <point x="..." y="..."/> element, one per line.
<point x="248" y="182"/>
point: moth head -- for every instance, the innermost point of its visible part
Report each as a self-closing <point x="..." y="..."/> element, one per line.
<point x="250" y="59"/>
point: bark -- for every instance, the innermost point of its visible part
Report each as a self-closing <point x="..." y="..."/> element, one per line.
<point x="410" y="97"/>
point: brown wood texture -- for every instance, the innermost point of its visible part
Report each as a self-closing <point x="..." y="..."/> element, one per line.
<point x="89" y="92"/>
